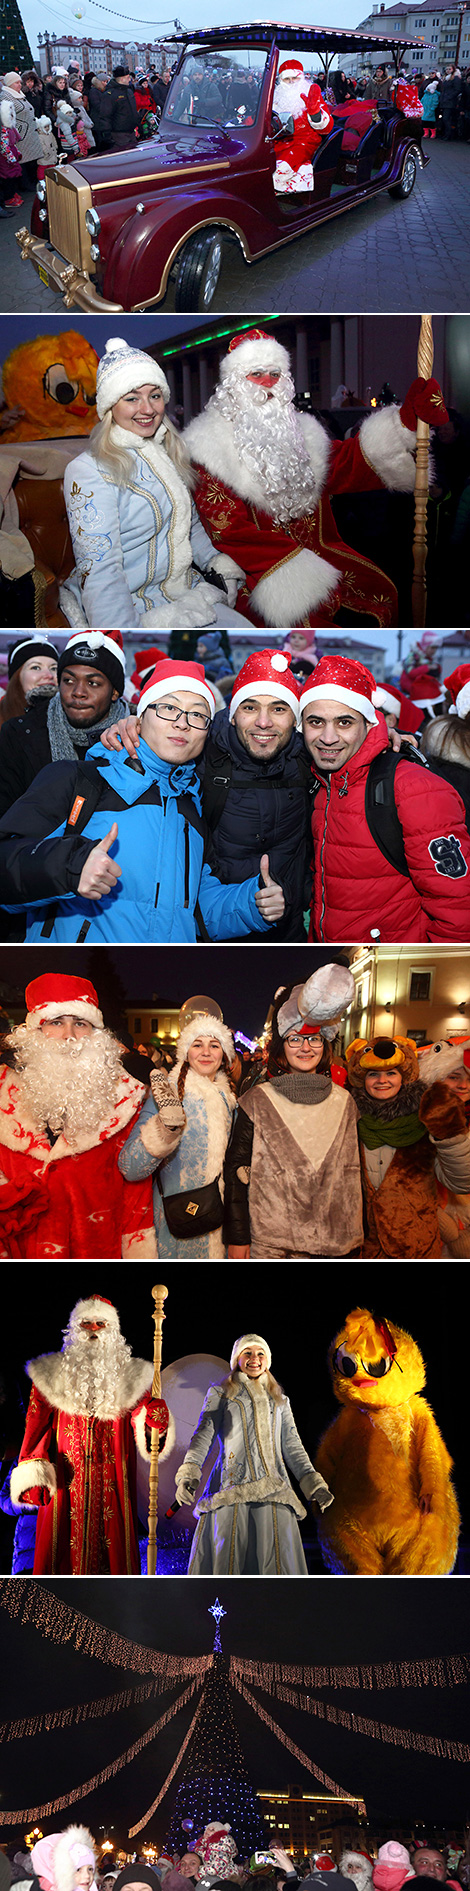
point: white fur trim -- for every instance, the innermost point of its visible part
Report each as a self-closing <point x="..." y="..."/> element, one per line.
<point x="64" y="1864"/>
<point x="388" y="447"/>
<point x="154" y="454"/>
<point x="384" y="699"/>
<point x="94" y="1308"/>
<point x="120" y="370"/>
<point x="212" y="1093"/>
<point x="334" y="693"/>
<point x="462" y="701"/>
<point x="204" y="1025"/>
<point x="225" y="566"/>
<point x="140" y="1246"/>
<point x="17" y="1131"/>
<point x="251" y="356"/>
<point x="209" y="439"/>
<point x="433" y="738"/>
<point x="274" y="689"/>
<point x="47" y="1375"/>
<point x="287" y="595"/>
<point x="78" y="1008"/>
<point x="98" y="640"/>
<point x="249" y="1339"/>
<point x="262" y="1490"/>
<point x="155" y="691"/>
<point x="138" y="1427"/>
<point x="31" y="1474"/>
<point x="157" y="1139"/>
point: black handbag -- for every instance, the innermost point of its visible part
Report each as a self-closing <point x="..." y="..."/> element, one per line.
<point x="194" y="1211"/>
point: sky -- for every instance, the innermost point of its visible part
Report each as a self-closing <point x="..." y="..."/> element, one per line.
<point x="98" y="21"/>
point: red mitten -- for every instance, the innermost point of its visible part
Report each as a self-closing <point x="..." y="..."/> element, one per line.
<point x="38" y="1495"/>
<point x="424" y="401"/>
<point x="157" y="1415"/>
<point x="442" y="1113"/>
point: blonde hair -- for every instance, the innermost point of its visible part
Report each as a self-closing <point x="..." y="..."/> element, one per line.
<point x="119" y="464"/>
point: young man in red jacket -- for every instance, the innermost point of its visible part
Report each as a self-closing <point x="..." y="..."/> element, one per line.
<point x="391" y="851"/>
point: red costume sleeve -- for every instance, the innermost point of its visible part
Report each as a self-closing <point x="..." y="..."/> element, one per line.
<point x="437" y="847"/>
<point x="349" y="471"/>
<point x="34" y="1479"/>
<point x="137" y="1220"/>
<point x="248" y="535"/>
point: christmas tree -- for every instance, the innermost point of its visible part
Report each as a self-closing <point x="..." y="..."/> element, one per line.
<point x="216" y="1783"/>
<point x="15" y="50"/>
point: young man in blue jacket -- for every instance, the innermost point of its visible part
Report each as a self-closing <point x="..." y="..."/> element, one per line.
<point x="129" y="857"/>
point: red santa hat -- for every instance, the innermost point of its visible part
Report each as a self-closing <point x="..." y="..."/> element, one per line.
<point x="55" y="995"/>
<point x="409" y="716"/>
<point x="168" y="676"/>
<point x="144" y="664"/>
<point x="96" y="1307"/>
<point x="267" y="673"/>
<point x="341" y="680"/>
<point x="458" y="685"/>
<point x="252" y="351"/>
<point x="241" y="1346"/>
<point x="290" y="66"/>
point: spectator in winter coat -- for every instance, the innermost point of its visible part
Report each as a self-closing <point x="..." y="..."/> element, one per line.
<point x="61" y="724"/>
<point x="393" y="1867"/>
<point x="10" y="159"/>
<point x="93" y="88"/>
<point x="147" y="874"/>
<point x="418" y="885"/>
<point x="446" y="738"/>
<point x="33" y="90"/>
<point x="412" y="1138"/>
<point x="32" y="665"/>
<point x="119" y="116"/>
<point x="449" y="99"/>
<point x="28" y="136"/>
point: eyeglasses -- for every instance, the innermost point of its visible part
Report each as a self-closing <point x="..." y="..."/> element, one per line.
<point x="309" y="1040"/>
<point x="169" y="713"/>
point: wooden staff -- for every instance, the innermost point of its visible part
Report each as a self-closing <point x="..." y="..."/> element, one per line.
<point x="159" y="1294"/>
<point x="425" y="366"/>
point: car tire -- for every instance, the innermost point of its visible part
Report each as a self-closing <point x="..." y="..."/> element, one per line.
<point x="199" y="271"/>
<point x="408" y="181"/>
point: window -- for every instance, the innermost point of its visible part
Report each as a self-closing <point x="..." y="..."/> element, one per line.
<point x="420" y="987"/>
<point x="137" y="1024"/>
<point x="154" y="1024"/>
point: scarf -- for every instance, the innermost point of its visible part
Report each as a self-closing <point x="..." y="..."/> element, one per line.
<point x="395" y="1122"/>
<point x="303" y="1086"/>
<point x="65" y="740"/>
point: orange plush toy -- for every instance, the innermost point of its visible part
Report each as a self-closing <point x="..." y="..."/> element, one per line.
<point x="53" y="380"/>
<point x="395" y="1511"/>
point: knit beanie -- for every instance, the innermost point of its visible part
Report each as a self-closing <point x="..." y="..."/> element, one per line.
<point x="120" y="370"/>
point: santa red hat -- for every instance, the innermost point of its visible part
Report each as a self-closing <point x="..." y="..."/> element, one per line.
<point x="409" y="716"/>
<point x="168" y="676"/>
<point x="458" y="685"/>
<point x="144" y="664"/>
<point x="94" y="1308"/>
<point x="267" y="673"/>
<point x="290" y="65"/>
<point x="101" y="651"/>
<point x="241" y="1346"/>
<point x="54" y="995"/>
<point x="251" y="351"/>
<point x="341" y="680"/>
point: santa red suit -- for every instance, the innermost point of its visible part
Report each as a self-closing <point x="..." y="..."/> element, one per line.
<point x="61" y="1192"/>
<point x="265" y="477"/>
<point x="294" y="98"/>
<point x="78" y="1460"/>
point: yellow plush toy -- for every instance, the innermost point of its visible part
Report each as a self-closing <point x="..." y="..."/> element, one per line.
<point x="53" y="380"/>
<point x="395" y="1511"/>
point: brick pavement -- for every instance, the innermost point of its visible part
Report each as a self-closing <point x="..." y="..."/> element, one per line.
<point x="384" y="256"/>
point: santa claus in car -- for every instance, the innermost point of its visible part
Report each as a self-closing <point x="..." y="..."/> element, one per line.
<point x="295" y="99"/>
<point x="265" y="476"/>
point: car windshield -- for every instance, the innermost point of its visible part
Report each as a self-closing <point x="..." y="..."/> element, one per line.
<point x="221" y="89"/>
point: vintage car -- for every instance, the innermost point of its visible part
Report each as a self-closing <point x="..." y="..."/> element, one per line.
<point x="108" y="230"/>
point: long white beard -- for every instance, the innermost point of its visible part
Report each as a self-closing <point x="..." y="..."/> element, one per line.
<point x="67" y="1087"/>
<point x="268" y="437"/>
<point x="288" y="99"/>
<point x="92" y="1371"/>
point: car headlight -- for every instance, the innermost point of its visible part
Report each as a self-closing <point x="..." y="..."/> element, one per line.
<point x="43" y="216"/>
<point x="92" y="222"/>
<point x="41" y="190"/>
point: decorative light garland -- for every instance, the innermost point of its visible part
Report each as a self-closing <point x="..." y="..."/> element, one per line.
<point x="134" y="1829"/>
<point x="31" y="1813"/>
<point x="444" y="1671"/>
<point x="30" y="1602"/>
<point x="297" y="1751"/>
<point x="435" y="1744"/>
<point x="50" y="1720"/>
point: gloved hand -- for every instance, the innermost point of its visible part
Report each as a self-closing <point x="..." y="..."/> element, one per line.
<point x="186" y="1483"/>
<point x="442" y="1113"/>
<point x="424" y="401"/>
<point x="168" y="1104"/>
<point x="322" y="1495"/>
<point x="38" y="1495"/>
<point x="231" y="573"/>
<point x="157" y="1415"/>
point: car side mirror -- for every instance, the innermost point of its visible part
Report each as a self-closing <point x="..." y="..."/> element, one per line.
<point x="281" y="128"/>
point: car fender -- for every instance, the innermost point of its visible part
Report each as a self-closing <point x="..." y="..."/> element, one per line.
<point x="146" y="245"/>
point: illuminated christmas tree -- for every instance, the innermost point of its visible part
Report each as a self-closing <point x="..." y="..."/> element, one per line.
<point x="216" y="1784"/>
<point x="15" y="50"/>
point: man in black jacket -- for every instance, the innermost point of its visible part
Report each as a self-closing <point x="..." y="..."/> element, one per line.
<point x="119" y="115"/>
<point x="59" y="726"/>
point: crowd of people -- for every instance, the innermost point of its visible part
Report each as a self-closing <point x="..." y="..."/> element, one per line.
<point x="212" y="1860"/>
<point x="304" y="1152"/>
<point x="68" y="115"/>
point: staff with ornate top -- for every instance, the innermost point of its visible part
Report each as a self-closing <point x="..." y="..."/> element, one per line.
<point x="425" y="366"/>
<point x="159" y="1294"/>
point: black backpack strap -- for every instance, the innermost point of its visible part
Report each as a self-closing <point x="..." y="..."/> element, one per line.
<point x="215" y="787"/>
<point x="380" y="806"/>
<point x="88" y="792"/>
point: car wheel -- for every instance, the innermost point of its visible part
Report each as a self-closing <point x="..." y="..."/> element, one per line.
<point x="199" y="271"/>
<point x="408" y="181"/>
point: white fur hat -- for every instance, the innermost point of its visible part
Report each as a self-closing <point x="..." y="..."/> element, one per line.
<point x="249" y="1339"/>
<point x="323" y="997"/>
<point x="95" y="1308"/>
<point x="121" y="368"/>
<point x="253" y="351"/>
<point x="7" y="113"/>
<point x="205" y="1025"/>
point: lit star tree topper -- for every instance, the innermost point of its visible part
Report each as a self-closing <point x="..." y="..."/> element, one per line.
<point x="217" y="1611"/>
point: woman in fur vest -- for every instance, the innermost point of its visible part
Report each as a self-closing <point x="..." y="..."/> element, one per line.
<point x="248" y="1515"/>
<point x="181" y="1138"/>
<point x="292" y="1175"/>
<point x="414" y="1146"/>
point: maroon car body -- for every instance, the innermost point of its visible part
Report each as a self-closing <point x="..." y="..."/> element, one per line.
<point x="108" y="230"/>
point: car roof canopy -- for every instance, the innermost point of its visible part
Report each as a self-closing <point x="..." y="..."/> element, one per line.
<point x="325" y="41"/>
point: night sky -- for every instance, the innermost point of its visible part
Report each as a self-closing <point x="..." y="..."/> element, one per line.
<point x="281" y="1620"/>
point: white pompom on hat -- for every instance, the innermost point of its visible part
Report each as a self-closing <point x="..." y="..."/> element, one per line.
<point x="121" y="369"/>
<point x="203" y="1024"/>
<point x="241" y="1345"/>
<point x="251" y="352"/>
<point x="267" y="673"/>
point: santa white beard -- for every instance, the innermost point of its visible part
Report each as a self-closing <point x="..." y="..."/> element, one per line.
<point x="68" y="1087"/>
<point x="93" y="1373"/>
<point x="268" y="437"/>
<point x="288" y="101"/>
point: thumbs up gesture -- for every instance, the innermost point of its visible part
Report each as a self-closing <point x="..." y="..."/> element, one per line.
<point x="269" y="898"/>
<point x="99" y="874"/>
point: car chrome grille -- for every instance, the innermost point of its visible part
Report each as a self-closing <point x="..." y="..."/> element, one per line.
<point x="64" y="221"/>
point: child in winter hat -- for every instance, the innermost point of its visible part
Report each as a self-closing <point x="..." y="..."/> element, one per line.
<point x="393" y="1867"/>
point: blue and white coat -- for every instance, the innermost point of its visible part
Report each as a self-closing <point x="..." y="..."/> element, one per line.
<point x="188" y="1163"/>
